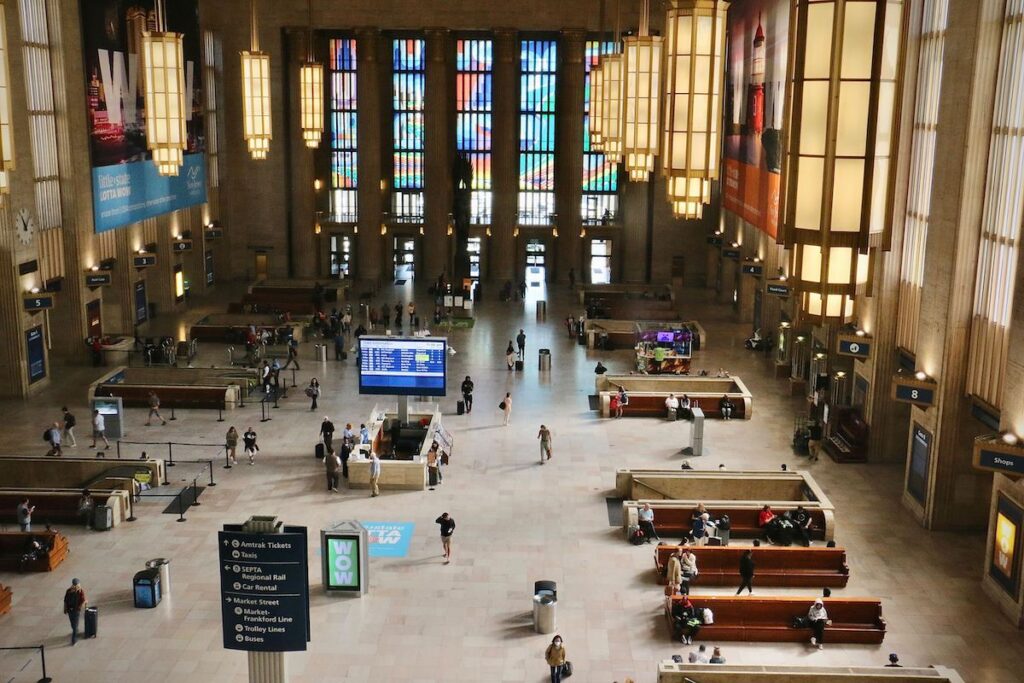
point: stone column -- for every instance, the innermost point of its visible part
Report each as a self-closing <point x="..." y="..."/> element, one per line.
<point x="730" y="267"/>
<point x="634" y="197"/>
<point x="956" y="493"/>
<point x="372" y="83"/>
<point x="505" y="146"/>
<point x="569" y="158"/>
<point x="160" y="280"/>
<point x="305" y="253"/>
<point x="123" y="283"/>
<point x="438" y="154"/>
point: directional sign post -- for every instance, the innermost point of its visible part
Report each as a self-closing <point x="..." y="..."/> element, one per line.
<point x="264" y="584"/>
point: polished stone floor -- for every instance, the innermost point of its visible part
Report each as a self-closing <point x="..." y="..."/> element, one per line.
<point x="517" y="522"/>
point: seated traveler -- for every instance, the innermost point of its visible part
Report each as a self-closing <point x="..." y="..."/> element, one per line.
<point x="646" y="515"/>
<point x="685" y="410"/>
<point x="685" y="621"/>
<point x="671" y="407"/>
<point x="725" y="406"/>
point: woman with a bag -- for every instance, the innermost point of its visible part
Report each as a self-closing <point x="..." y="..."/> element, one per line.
<point x="231" y="442"/>
<point x="555" y="657"/>
<point x="506" y="407"/>
<point x="510" y="356"/>
<point x="313" y="391"/>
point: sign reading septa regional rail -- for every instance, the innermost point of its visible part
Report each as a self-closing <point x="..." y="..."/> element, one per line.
<point x="264" y="588"/>
<point x="404" y="366"/>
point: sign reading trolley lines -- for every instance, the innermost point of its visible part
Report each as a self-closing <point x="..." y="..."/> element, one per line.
<point x="264" y="585"/>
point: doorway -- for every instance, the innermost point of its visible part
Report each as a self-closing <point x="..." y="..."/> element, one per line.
<point x="94" y="318"/>
<point x="261" y="265"/>
<point x="341" y="256"/>
<point x="404" y="259"/>
<point x="536" y="262"/>
<point x="600" y="262"/>
<point x="474" y="245"/>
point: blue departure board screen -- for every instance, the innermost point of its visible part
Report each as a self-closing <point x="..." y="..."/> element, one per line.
<point x="402" y="366"/>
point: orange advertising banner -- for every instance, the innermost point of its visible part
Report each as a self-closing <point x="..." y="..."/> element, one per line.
<point x="752" y="194"/>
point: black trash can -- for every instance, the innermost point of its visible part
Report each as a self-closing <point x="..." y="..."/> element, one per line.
<point x="548" y="588"/>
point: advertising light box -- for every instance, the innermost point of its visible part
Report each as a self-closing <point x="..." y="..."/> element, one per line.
<point x="402" y="366"/>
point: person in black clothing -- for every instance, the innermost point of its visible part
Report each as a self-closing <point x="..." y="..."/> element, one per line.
<point x="467" y="393"/>
<point x="447" y="523"/>
<point x="327" y="434"/>
<point x="747" y="572"/>
<point x="600" y="369"/>
<point x="684" y="619"/>
<point x="801" y="519"/>
<point x="725" y="407"/>
<point x="346" y="451"/>
<point x="521" y="343"/>
<point x="814" y="440"/>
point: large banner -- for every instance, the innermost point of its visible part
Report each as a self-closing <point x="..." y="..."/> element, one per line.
<point x="755" y="90"/>
<point x="126" y="187"/>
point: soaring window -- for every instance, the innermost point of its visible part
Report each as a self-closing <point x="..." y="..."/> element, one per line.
<point x="1002" y="212"/>
<point x="344" y="131"/>
<point x="538" y="64"/>
<point x="409" y="78"/>
<point x="922" y="163"/>
<point x="474" y="65"/>
<point x="211" y="77"/>
<point x="41" y="118"/>
<point x="600" y="174"/>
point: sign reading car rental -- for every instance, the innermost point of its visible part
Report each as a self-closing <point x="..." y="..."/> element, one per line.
<point x="126" y="187"/>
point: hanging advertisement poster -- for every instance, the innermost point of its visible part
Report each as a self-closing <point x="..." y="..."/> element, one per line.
<point x="755" y="75"/>
<point x="1004" y="566"/>
<point x="126" y="187"/>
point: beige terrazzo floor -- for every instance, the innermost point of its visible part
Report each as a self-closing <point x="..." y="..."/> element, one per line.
<point x="517" y="522"/>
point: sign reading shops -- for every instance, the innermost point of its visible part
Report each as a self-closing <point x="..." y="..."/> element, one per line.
<point x="264" y="586"/>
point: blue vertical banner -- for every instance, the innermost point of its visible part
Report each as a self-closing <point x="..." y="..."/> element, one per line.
<point x="141" y="304"/>
<point x="36" y="353"/>
<point x="126" y="187"/>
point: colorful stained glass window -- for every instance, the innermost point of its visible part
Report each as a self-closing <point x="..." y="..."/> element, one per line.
<point x="538" y="65"/>
<point x="344" y="130"/>
<point x="408" y="86"/>
<point x="600" y="174"/>
<point x="474" y="66"/>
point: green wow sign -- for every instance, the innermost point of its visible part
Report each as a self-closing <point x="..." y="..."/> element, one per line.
<point x="342" y="570"/>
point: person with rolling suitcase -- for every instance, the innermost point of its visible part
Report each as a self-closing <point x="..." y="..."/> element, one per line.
<point x="74" y="603"/>
<point x="332" y="463"/>
<point x="467" y="393"/>
<point x="249" y="441"/>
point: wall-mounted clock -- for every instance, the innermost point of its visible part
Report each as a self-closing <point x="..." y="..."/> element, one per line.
<point x="25" y="226"/>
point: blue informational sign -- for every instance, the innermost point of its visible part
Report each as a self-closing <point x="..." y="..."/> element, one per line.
<point x="1004" y="462"/>
<point x="36" y="354"/>
<point x="412" y="366"/>
<point x="389" y="539"/>
<point x="858" y="348"/>
<point x="141" y="305"/>
<point x="264" y="586"/>
<point x="777" y="289"/>
<point x="914" y="394"/>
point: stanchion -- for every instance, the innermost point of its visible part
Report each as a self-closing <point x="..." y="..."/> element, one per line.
<point x="172" y="413"/>
<point x="263" y="411"/>
<point x="181" y="508"/>
<point x="170" y="455"/>
<point x="220" y="413"/>
<point x="241" y="399"/>
<point x="275" y="398"/>
<point x="293" y="379"/>
<point x="42" y="660"/>
<point x="195" y="493"/>
<point x="210" y="463"/>
<point x="227" y="460"/>
<point x="119" y="450"/>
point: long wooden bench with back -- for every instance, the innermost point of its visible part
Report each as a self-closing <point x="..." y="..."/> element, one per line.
<point x="770" y="620"/>
<point x="178" y="397"/>
<point x="14" y="546"/>
<point x="815" y="567"/>
<point x="5" y="599"/>
<point x="674" y="520"/>
<point x="61" y="507"/>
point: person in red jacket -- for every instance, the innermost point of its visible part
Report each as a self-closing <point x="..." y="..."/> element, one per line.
<point x="765" y="516"/>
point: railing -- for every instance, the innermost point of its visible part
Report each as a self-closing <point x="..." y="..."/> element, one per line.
<point x="170" y="461"/>
<point x="42" y="658"/>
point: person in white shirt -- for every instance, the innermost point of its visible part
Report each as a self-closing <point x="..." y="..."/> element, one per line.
<point x="99" y="430"/>
<point x="671" y="406"/>
<point x="374" y="475"/>
<point x="700" y="655"/>
<point x="688" y="563"/>
<point x="646" y="517"/>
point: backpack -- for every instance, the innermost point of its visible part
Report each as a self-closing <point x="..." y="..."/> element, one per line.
<point x="70" y="600"/>
<point x="70" y="420"/>
<point x="708" y="616"/>
<point x="46" y="436"/>
<point x="636" y="537"/>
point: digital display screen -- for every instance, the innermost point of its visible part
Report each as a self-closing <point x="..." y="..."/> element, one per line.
<point x="404" y="367"/>
<point x="668" y="337"/>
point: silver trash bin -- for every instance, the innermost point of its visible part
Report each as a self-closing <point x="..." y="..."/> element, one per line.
<point x="164" y="565"/>
<point x="544" y="613"/>
<point x="542" y="311"/>
<point x="544" y="360"/>
<point x="321" y="352"/>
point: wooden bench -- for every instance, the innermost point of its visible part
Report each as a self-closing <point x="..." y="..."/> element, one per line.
<point x="815" y="567"/>
<point x="770" y="620"/>
<point x="653" y="405"/>
<point x="202" y="397"/>
<point x="61" y="507"/>
<point x="14" y="545"/>
<point x="5" y="599"/>
<point x="675" y="520"/>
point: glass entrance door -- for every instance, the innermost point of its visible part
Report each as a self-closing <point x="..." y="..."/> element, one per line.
<point x="405" y="258"/>
<point x="473" y="246"/>
<point x="536" y="262"/>
<point x="600" y="262"/>
<point x="341" y="256"/>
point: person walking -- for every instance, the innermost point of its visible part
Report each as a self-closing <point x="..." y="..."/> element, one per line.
<point x="154" y="406"/>
<point x="327" y="434"/>
<point x="398" y="315"/>
<point x="74" y="605"/>
<point x="313" y="392"/>
<point x="747" y="572"/>
<point x="249" y="441"/>
<point x="374" y="474"/>
<point x="346" y="452"/>
<point x="447" y="523"/>
<point x="265" y="377"/>
<point x="545" y="443"/>
<point x="412" y="313"/>
<point x="521" y="343"/>
<point x="293" y="354"/>
<point x="510" y="356"/>
<point x="506" y="408"/>
<point x="231" y="444"/>
<point x="467" y="394"/>
<point x="385" y="315"/>
<point x="53" y="436"/>
<point x="339" y="345"/>
<point x="332" y="463"/>
<point x="69" y="427"/>
<point x="554" y="655"/>
<point x="99" y="430"/>
<point x="24" y="513"/>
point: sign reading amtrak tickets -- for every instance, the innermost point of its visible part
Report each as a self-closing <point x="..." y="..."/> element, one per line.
<point x="264" y="588"/>
<point x="125" y="183"/>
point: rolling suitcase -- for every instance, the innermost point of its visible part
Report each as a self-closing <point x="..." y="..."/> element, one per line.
<point x="320" y="451"/>
<point x="519" y="366"/>
<point x="460" y="407"/>
<point x="103" y="518"/>
<point x="432" y="475"/>
<point x="92" y="618"/>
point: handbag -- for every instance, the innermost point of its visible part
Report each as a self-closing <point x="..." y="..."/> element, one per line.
<point x="567" y="669"/>
<point x="501" y="406"/>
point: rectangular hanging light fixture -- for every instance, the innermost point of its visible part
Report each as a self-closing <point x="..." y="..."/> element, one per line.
<point x="845" y="64"/>
<point x="691" y="123"/>
<point x="641" y="66"/>
<point x="611" y="109"/>
<point x="256" y="123"/>
<point x="597" y="103"/>
<point x="6" y="134"/>
<point x="163" y="64"/>
<point x="311" y="91"/>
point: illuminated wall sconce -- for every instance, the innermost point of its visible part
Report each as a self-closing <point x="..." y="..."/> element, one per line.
<point x="316" y="228"/>
<point x="488" y="231"/>
<point x="318" y="185"/>
<point x="383" y="229"/>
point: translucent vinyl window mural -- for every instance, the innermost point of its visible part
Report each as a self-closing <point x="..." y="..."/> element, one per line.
<point x="474" y="66"/>
<point x="344" y="131"/>
<point x="538" y="64"/>
<point x="600" y="174"/>
<point x="408" y="87"/>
